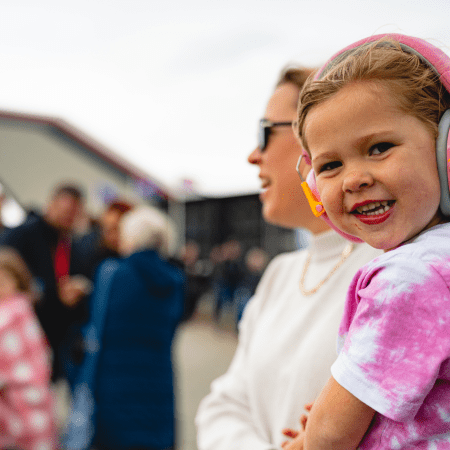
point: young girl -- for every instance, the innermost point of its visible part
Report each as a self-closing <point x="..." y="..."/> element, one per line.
<point x="369" y="122"/>
<point x="26" y="407"/>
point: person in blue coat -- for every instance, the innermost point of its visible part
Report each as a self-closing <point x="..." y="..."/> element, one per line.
<point x="127" y="372"/>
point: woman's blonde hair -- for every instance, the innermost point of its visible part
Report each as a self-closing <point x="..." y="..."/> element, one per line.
<point x="414" y="85"/>
<point x="296" y="75"/>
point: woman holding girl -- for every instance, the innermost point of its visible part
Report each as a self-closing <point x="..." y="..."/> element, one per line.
<point x="373" y="122"/>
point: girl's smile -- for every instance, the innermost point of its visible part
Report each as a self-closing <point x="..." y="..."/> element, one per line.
<point x="375" y="165"/>
<point x="373" y="212"/>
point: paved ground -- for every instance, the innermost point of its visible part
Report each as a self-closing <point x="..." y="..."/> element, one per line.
<point x="202" y="351"/>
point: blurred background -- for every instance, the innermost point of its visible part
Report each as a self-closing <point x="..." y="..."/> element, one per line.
<point x="159" y="102"/>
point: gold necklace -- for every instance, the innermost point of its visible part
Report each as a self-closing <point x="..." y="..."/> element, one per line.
<point x="344" y="255"/>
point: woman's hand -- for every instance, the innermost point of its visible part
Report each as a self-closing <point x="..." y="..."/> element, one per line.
<point x="297" y="436"/>
<point x="296" y="443"/>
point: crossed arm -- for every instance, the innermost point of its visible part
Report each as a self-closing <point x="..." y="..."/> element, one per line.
<point x="338" y="420"/>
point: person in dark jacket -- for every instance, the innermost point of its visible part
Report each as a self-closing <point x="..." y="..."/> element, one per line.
<point x="45" y="244"/>
<point x="103" y="240"/>
<point x="136" y="306"/>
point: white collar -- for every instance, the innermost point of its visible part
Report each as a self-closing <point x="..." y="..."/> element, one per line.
<point x="326" y="245"/>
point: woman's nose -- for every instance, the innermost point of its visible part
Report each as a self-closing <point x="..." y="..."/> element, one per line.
<point x="255" y="156"/>
<point x="356" y="180"/>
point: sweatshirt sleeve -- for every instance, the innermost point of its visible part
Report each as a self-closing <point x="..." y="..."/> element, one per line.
<point x="224" y="419"/>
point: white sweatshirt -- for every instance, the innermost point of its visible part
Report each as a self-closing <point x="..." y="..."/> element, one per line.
<point x="287" y="344"/>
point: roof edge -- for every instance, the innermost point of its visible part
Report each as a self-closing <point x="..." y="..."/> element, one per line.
<point x="100" y="150"/>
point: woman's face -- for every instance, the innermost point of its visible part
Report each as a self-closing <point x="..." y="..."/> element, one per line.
<point x="284" y="202"/>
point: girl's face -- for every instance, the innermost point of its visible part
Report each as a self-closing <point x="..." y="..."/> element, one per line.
<point x="375" y="166"/>
<point x="8" y="284"/>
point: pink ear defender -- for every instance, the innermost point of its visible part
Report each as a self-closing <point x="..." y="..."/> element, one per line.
<point x="440" y="63"/>
<point x="312" y="194"/>
<point x="316" y="206"/>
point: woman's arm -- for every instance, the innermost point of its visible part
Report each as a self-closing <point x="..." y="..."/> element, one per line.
<point x="338" y="420"/>
<point x="224" y="419"/>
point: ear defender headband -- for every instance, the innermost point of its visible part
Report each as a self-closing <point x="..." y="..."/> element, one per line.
<point x="439" y="62"/>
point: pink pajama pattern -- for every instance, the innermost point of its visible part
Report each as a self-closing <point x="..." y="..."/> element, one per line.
<point x="26" y="404"/>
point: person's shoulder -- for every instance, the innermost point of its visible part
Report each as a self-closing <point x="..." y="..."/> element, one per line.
<point x="435" y="241"/>
<point x="109" y="267"/>
<point x="87" y="241"/>
<point x="171" y="266"/>
<point x="281" y="268"/>
<point x="430" y="247"/>
<point x="32" y="223"/>
<point x="150" y="265"/>
<point x="14" y="309"/>
<point x="365" y="253"/>
<point x="286" y="259"/>
<point x="423" y="260"/>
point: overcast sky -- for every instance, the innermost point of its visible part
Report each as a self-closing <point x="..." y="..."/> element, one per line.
<point x="177" y="87"/>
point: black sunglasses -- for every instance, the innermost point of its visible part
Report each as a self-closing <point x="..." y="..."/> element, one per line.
<point x="265" y="128"/>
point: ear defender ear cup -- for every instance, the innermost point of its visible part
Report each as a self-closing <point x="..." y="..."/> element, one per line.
<point x="312" y="194"/>
<point x="314" y="201"/>
<point x="442" y="158"/>
<point x="440" y="63"/>
<point x="311" y="180"/>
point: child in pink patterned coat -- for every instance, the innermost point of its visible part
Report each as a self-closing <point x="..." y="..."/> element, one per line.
<point x="26" y="404"/>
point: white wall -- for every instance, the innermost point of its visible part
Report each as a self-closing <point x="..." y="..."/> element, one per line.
<point x="33" y="160"/>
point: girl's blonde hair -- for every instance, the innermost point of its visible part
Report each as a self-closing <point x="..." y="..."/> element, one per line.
<point x="12" y="262"/>
<point x="414" y="85"/>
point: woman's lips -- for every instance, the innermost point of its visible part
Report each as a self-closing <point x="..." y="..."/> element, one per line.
<point x="265" y="184"/>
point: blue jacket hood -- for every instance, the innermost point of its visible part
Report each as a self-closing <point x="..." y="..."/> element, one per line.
<point x="159" y="276"/>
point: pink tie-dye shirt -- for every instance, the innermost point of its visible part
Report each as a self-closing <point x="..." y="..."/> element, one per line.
<point x="394" y="344"/>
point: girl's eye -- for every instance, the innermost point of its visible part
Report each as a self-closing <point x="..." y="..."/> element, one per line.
<point x="329" y="166"/>
<point x="380" y="148"/>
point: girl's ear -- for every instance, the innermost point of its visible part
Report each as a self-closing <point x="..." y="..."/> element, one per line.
<point x="443" y="158"/>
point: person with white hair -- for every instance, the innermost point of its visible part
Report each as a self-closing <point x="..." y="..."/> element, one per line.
<point x="136" y="306"/>
<point x="148" y="228"/>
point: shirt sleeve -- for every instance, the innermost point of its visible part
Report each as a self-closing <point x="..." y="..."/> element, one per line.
<point x="224" y="418"/>
<point x="397" y="336"/>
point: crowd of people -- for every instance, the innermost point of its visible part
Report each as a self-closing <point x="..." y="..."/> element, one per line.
<point x="355" y="152"/>
<point x="228" y="275"/>
<point x="122" y="276"/>
<point x="77" y="310"/>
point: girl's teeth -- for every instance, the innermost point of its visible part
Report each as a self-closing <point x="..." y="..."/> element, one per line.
<point x="374" y="208"/>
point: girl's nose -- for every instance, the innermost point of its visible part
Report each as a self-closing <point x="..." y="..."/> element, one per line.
<point x="255" y="156"/>
<point x="356" y="180"/>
